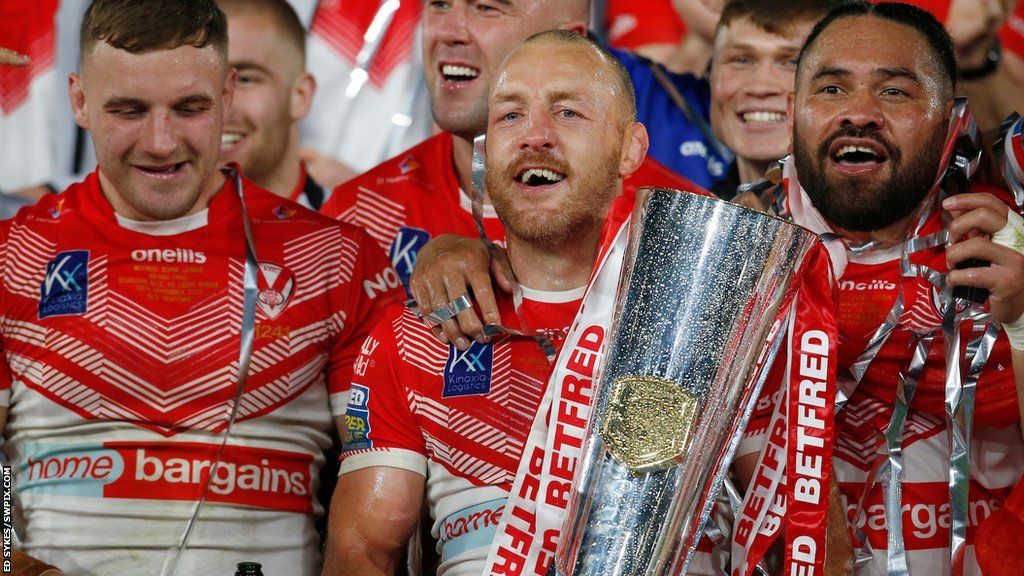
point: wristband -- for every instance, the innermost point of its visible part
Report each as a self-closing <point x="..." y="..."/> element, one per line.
<point x="1012" y="236"/>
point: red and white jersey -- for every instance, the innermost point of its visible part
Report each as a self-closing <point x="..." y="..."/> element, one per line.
<point x="458" y="418"/>
<point x="411" y="198"/>
<point x="121" y="341"/>
<point x="28" y="95"/>
<point x="867" y="292"/>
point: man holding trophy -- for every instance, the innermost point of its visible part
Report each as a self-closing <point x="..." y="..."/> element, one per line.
<point x="426" y="417"/>
<point x="927" y="440"/>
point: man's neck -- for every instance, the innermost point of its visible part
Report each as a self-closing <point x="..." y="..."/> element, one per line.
<point x="891" y="235"/>
<point x="462" y="157"/>
<point x="285" y="179"/>
<point x="751" y="170"/>
<point x="566" y="266"/>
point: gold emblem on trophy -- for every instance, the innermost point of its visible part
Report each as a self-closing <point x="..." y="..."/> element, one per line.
<point x="648" y="422"/>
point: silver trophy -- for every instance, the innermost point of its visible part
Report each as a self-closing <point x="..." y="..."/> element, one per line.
<point x="702" y="285"/>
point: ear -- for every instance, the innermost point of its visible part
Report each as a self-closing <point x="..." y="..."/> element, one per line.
<point x="228" y="95"/>
<point x="577" y="26"/>
<point x="791" y="117"/>
<point x="303" y="90"/>
<point x="634" y="148"/>
<point x="76" y="93"/>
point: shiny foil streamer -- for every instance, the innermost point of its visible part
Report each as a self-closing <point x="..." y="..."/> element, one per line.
<point x="961" y="161"/>
<point x="703" y="283"/>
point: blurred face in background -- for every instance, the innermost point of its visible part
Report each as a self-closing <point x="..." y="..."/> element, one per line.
<point x="752" y="74"/>
<point x="274" y="92"/>
<point x="464" y="43"/>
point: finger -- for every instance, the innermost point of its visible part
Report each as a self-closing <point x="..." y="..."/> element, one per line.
<point x="418" y="288"/>
<point x="981" y="249"/>
<point x="466" y="322"/>
<point x="970" y="201"/>
<point x="984" y="219"/>
<point x="439" y="299"/>
<point x="483" y="293"/>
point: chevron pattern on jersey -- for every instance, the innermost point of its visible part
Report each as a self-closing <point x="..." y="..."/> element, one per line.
<point x="378" y="215"/>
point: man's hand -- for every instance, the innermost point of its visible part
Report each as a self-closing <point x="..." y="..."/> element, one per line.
<point x="976" y="217"/>
<point x="326" y="171"/>
<point x="448" y="267"/>
<point x="972" y="25"/>
<point x="12" y="58"/>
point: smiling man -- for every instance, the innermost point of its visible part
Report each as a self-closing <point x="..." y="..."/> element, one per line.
<point x="267" y="46"/>
<point x="873" y="102"/>
<point x="752" y="73"/>
<point x="425" y="192"/>
<point x="425" y="417"/>
<point x="161" y="302"/>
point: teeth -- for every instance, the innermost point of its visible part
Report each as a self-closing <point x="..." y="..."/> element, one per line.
<point x="229" y="138"/>
<point x="548" y="175"/>
<point x="461" y="71"/>
<point x="763" y="117"/>
<point x="854" y="149"/>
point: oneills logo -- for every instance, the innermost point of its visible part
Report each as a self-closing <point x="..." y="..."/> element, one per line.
<point x="169" y="256"/>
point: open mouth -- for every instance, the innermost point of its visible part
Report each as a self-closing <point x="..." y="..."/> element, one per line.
<point x="762" y="117"/>
<point x="457" y="73"/>
<point x="162" y="171"/>
<point x="854" y="155"/>
<point x="535" y="177"/>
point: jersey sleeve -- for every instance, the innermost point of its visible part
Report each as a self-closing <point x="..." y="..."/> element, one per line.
<point x="368" y="285"/>
<point x="380" y="428"/>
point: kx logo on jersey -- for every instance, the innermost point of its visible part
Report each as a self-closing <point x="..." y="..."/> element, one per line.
<point x="467" y="373"/>
<point x="403" y="251"/>
<point x="65" y="289"/>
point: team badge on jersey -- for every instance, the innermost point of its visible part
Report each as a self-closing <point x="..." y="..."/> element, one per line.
<point x="357" y="420"/>
<point x="65" y="289"/>
<point x="283" y="212"/>
<point x="276" y="285"/>
<point x="468" y="373"/>
<point x="58" y="209"/>
<point x="403" y="250"/>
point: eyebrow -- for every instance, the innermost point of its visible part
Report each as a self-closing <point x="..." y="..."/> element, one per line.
<point x="248" y="65"/>
<point x="124" y="103"/>
<point x="835" y="72"/>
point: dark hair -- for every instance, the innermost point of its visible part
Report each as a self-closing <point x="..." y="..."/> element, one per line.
<point x="279" y="11"/>
<point x="570" y="37"/>
<point x="908" y="15"/>
<point x="139" y="26"/>
<point x="776" y="16"/>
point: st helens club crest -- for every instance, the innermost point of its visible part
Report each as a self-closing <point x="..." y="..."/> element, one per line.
<point x="276" y="285"/>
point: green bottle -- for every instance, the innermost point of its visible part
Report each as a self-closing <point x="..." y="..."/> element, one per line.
<point x="249" y="569"/>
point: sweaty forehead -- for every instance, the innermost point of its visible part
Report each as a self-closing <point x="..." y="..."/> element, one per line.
<point x="555" y="65"/>
<point x="867" y="43"/>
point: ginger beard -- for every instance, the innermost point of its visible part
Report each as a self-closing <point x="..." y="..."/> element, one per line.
<point x="537" y="217"/>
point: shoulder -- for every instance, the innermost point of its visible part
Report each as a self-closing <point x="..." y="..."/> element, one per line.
<point x="407" y="170"/>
